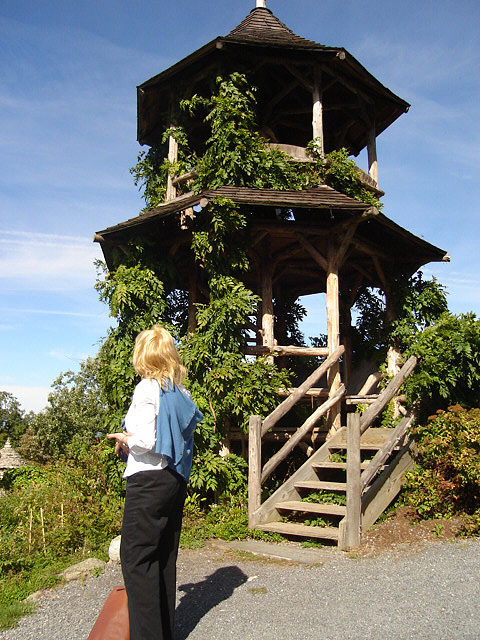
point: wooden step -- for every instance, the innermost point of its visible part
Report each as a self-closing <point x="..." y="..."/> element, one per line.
<point x="337" y="465"/>
<point x="321" y="485"/>
<point x="291" y="529"/>
<point x="312" y="507"/>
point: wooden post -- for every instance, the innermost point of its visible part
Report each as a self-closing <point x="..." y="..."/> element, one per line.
<point x="254" y="467"/>
<point x="372" y="154"/>
<point x="317" y="119"/>
<point x="333" y="328"/>
<point x="172" y="157"/>
<point x="30" y="530"/>
<point x="354" y="495"/>
<point x="43" y="532"/>
<point x="267" y="306"/>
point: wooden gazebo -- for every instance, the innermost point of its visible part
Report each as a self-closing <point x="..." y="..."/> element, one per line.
<point x="301" y="242"/>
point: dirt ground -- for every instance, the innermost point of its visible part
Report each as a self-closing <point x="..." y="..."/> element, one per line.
<point x="402" y="529"/>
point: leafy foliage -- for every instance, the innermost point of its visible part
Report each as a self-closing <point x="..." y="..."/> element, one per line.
<point x="416" y="304"/>
<point x="13" y="422"/>
<point x="447" y="478"/>
<point x="75" y="408"/>
<point x="235" y="152"/>
<point x="449" y="368"/>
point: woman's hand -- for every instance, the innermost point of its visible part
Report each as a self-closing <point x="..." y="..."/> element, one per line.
<point x="121" y="440"/>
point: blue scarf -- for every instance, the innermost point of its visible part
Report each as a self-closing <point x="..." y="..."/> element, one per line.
<point x="177" y="418"/>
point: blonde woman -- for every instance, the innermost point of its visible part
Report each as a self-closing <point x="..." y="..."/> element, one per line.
<point x="158" y="439"/>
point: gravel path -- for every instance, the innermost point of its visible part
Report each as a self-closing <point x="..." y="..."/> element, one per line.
<point x="427" y="593"/>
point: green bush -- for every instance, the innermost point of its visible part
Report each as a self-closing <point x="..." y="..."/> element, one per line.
<point x="446" y="480"/>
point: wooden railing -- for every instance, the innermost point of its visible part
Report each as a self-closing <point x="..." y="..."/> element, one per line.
<point x="258" y="428"/>
<point x="357" y="424"/>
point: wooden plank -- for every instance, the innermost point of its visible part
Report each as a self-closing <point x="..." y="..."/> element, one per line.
<point x="293" y="529"/>
<point x="342" y="466"/>
<point x="286" y="350"/>
<point x="298" y="436"/>
<point x="321" y="485"/>
<point x="312" y="507"/>
<point x="287" y="404"/>
<point x="372" y="440"/>
<point x="254" y="467"/>
<point x="387" y="394"/>
<point x="354" y="490"/>
<point x="387" y="449"/>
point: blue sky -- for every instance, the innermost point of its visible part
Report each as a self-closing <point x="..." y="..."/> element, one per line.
<point x="68" y="72"/>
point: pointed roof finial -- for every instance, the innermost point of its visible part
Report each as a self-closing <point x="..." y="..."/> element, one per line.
<point x="262" y="4"/>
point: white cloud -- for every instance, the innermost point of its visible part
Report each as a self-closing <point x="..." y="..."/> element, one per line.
<point x="47" y="262"/>
<point x="30" y="398"/>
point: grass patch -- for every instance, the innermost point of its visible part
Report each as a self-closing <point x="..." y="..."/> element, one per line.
<point x="40" y="573"/>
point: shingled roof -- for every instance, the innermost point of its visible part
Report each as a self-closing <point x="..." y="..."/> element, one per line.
<point x="9" y="458"/>
<point x="262" y="27"/>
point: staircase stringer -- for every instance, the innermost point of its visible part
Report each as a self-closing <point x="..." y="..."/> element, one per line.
<point x="267" y="511"/>
<point x="387" y="486"/>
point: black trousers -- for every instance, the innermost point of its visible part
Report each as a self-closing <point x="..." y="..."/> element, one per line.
<point x="152" y="520"/>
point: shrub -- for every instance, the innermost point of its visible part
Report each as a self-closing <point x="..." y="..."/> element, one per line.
<point x="447" y="478"/>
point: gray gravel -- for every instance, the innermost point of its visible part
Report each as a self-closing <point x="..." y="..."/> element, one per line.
<point x="432" y="593"/>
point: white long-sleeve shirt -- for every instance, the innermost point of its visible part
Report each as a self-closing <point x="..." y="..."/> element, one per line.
<point x="141" y="422"/>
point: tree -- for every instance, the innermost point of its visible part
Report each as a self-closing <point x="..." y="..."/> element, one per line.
<point x="75" y="408"/>
<point x="13" y="422"/>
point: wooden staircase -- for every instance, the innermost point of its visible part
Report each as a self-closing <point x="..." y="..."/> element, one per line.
<point x="344" y="486"/>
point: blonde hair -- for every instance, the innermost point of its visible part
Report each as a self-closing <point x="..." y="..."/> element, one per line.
<point x="155" y="356"/>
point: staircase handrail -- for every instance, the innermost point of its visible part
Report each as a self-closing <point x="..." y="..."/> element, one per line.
<point x="387" y="394"/>
<point x="383" y="454"/>
<point x="285" y="406"/>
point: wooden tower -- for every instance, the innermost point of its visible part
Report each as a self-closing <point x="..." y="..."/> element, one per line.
<point x="329" y="243"/>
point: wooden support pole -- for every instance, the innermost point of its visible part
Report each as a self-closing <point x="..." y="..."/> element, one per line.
<point x="267" y="306"/>
<point x="286" y="351"/>
<point x="254" y="467"/>
<point x="354" y="490"/>
<point x="333" y="338"/>
<point x="372" y="155"/>
<point x="172" y="157"/>
<point x="317" y="119"/>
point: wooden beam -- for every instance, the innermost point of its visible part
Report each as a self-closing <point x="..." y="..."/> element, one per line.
<point x="287" y="404"/>
<point x="286" y="351"/>
<point x="299" y="76"/>
<point x="380" y="274"/>
<point x="345" y="242"/>
<point x="266" y="286"/>
<point x="278" y="98"/>
<point x="316" y="255"/>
